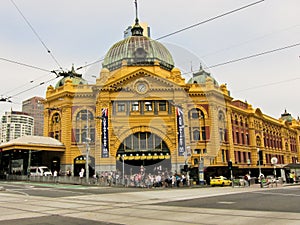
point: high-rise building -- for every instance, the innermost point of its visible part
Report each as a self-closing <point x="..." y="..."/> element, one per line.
<point x="35" y="108"/>
<point x="15" y="124"/>
<point x="146" y="30"/>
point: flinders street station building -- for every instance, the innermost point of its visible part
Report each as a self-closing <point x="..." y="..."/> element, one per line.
<point x="142" y="113"/>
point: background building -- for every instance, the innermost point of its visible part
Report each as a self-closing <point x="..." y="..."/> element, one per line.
<point x="146" y="30"/>
<point x="35" y="108"/>
<point x="15" y="124"/>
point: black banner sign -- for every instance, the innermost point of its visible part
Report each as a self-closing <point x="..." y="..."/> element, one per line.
<point x="104" y="138"/>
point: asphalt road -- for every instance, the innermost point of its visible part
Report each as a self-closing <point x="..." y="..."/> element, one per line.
<point x="49" y="204"/>
<point x="274" y="200"/>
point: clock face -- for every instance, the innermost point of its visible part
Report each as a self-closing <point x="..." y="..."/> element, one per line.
<point x="141" y="87"/>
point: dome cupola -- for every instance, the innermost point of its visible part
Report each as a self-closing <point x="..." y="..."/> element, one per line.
<point x="73" y="76"/>
<point x="201" y="76"/>
<point x="138" y="50"/>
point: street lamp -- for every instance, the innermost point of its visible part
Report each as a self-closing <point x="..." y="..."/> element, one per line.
<point x="249" y="163"/>
<point x="274" y="161"/>
<point x="259" y="166"/>
<point x="123" y="182"/>
<point x="87" y="159"/>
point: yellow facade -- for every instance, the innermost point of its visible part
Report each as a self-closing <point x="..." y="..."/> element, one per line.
<point x="142" y="99"/>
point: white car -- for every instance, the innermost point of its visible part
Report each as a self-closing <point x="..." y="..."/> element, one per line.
<point x="40" y="171"/>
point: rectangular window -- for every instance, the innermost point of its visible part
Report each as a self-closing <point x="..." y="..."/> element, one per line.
<point x="121" y="107"/>
<point x="237" y="137"/>
<point x="196" y="134"/>
<point x="239" y="157"/>
<point x="223" y="155"/>
<point x="134" y="106"/>
<point x="162" y="106"/>
<point x="77" y="135"/>
<point x="244" y="157"/>
<point x="148" y="106"/>
<point x="203" y="133"/>
<point x="221" y="134"/>
<point x="247" y="139"/>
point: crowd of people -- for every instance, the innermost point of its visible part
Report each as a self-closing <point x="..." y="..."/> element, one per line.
<point x="142" y="179"/>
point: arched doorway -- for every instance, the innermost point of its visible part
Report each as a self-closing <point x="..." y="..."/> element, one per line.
<point x="143" y="150"/>
<point x="79" y="163"/>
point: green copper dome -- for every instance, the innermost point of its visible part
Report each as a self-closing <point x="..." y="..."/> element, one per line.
<point x="75" y="77"/>
<point x="138" y="50"/>
<point x="201" y="76"/>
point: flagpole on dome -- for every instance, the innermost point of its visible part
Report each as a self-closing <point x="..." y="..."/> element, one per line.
<point x="136" y="30"/>
<point x="136" y="12"/>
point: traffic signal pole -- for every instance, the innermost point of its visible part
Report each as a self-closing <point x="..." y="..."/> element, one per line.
<point x="230" y="169"/>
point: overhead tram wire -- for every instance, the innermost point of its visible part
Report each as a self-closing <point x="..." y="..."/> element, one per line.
<point x="189" y="27"/>
<point x="41" y="83"/>
<point x="268" y="84"/>
<point x="36" y="34"/>
<point x="81" y="67"/>
<point x="23" y="86"/>
<point x="253" y="56"/>
<point x="7" y="99"/>
<point x="210" y="19"/>
<point x="27" y="65"/>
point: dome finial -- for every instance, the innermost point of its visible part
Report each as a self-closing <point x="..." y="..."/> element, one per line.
<point x="136" y="30"/>
<point x="136" y="13"/>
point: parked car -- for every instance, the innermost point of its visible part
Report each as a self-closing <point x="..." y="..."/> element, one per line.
<point x="220" y="181"/>
<point x="40" y="171"/>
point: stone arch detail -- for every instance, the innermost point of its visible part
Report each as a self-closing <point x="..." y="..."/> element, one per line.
<point x="133" y="130"/>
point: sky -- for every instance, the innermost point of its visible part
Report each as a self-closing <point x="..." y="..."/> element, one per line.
<point x="81" y="32"/>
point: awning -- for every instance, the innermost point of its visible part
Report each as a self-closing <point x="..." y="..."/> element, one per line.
<point x="34" y="143"/>
<point x="292" y="166"/>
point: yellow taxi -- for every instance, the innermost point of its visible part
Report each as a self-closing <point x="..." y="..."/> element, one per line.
<point x="220" y="181"/>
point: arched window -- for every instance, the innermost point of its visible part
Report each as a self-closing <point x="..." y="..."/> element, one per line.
<point x="143" y="142"/>
<point x="196" y="114"/>
<point x="258" y="141"/>
<point x="197" y="125"/>
<point x="55" y="127"/>
<point x="85" y="127"/>
<point x="222" y="126"/>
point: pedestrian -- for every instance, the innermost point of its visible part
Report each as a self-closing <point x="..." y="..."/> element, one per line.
<point x="81" y="173"/>
<point x="292" y="177"/>
<point x="68" y="173"/>
<point x="249" y="179"/>
<point x="246" y="180"/>
<point x="55" y="176"/>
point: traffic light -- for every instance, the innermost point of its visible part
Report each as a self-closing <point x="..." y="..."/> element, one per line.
<point x="229" y="165"/>
<point x="186" y="168"/>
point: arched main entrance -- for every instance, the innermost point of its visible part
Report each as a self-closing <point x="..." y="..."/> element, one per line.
<point x="79" y="163"/>
<point x="143" y="149"/>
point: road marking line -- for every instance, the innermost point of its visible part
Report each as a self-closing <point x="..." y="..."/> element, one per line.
<point x="228" y="203"/>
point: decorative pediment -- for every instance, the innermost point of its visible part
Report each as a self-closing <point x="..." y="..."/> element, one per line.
<point x="141" y="81"/>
